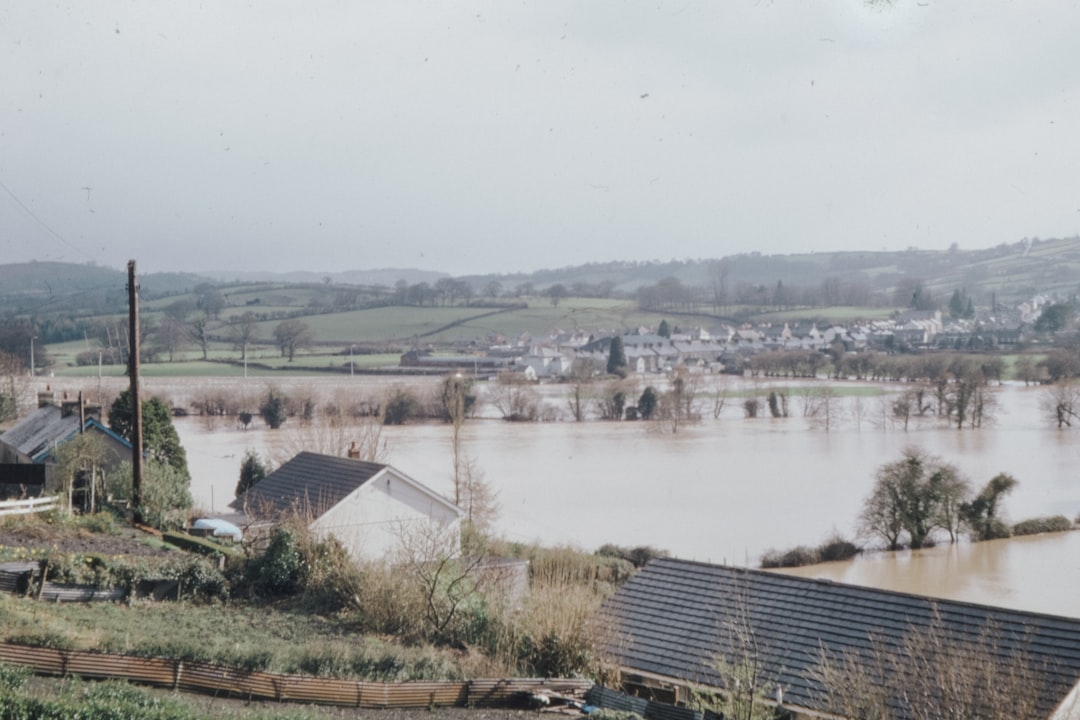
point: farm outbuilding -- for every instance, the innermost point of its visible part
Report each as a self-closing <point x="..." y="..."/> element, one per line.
<point x="824" y="649"/>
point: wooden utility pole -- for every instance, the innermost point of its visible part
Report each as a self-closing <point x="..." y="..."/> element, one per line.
<point x="136" y="401"/>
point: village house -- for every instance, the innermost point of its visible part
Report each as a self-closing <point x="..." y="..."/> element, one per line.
<point x="680" y="627"/>
<point x="28" y="449"/>
<point x="365" y="505"/>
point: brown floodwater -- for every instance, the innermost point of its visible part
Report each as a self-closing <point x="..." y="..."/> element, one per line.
<point x="727" y="489"/>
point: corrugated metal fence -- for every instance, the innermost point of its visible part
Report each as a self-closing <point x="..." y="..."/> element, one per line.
<point x="207" y="678"/>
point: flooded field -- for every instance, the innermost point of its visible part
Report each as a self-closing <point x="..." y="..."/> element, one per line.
<point x="726" y="489"/>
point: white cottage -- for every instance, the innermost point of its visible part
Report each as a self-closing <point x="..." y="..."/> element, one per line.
<point x="362" y="504"/>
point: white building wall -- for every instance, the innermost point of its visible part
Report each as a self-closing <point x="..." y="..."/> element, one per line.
<point x="368" y="522"/>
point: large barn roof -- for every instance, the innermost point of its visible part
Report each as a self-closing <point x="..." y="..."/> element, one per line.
<point x="681" y="620"/>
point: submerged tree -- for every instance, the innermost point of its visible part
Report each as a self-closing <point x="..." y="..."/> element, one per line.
<point x="648" y="402"/>
<point x="981" y="514"/>
<point x="911" y="498"/>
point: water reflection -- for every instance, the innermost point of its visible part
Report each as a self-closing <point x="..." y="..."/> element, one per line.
<point x="1038" y="573"/>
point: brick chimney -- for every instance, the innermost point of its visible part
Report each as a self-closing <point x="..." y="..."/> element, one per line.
<point x="45" y="397"/>
<point x="354" y="452"/>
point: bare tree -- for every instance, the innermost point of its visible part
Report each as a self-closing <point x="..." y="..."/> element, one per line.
<point x="514" y="397"/>
<point x="720" y="395"/>
<point x="292" y="335"/>
<point x="932" y="673"/>
<point x="446" y="578"/>
<point x="172" y="336"/>
<point x="1061" y="402"/>
<point x="243" y="331"/>
<point x="580" y="380"/>
<point x="339" y="430"/>
<point x="821" y="404"/>
<point x="198" y="332"/>
<point x="82" y="459"/>
<point x="457" y="402"/>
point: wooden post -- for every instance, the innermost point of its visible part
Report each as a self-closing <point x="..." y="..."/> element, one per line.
<point x="136" y="401"/>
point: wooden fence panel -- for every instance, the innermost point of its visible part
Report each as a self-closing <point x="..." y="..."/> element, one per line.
<point x="31" y="505"/>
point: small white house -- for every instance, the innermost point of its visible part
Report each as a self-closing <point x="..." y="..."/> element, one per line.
<point x="365" y="505"/>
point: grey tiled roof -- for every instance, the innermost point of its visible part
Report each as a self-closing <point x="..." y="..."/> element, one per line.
<point x="675" y="618"/>
<point x="39" y="430"/>
<point x="308" y="482"/>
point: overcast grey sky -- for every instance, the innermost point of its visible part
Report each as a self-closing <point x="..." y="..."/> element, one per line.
<point x="502" y="136"/>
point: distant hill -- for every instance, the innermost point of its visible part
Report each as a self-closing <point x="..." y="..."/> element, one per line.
<point x="380" y="276"/>
<point x="27" y="288"/>
<point x="1008" y="273"/>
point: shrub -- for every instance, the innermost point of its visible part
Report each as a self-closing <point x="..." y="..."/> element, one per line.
<point x="13" y="677"/>
<point x="401" y="406"/>
<point x="799" y="556"/>
<point x="277" y="571"/>
<point x="1034" y="526"/>
<point x="639" y="556"/>
<point x="273" y="411"/>
<point x="837" y="548"/>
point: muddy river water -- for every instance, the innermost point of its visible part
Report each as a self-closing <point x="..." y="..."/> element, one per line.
<point x="727" y="489"/>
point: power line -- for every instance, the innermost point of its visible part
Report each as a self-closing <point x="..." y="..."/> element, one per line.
<point x="41" y="222"/>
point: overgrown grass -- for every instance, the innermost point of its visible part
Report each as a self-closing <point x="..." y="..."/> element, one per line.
<point x="277" y="639"/>
<point x="55" y="699"/>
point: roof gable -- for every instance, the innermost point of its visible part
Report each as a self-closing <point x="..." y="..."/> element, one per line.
<point x="677" y="618"/>
<point x="40" y="430"/>
<point x="310" y="482"/>
<point x="313" y="484"/>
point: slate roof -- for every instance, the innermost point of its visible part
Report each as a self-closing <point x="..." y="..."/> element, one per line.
<point x="676" y="617"/>
<point x="37" y="432"/>
<point x="310" y="481"/>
